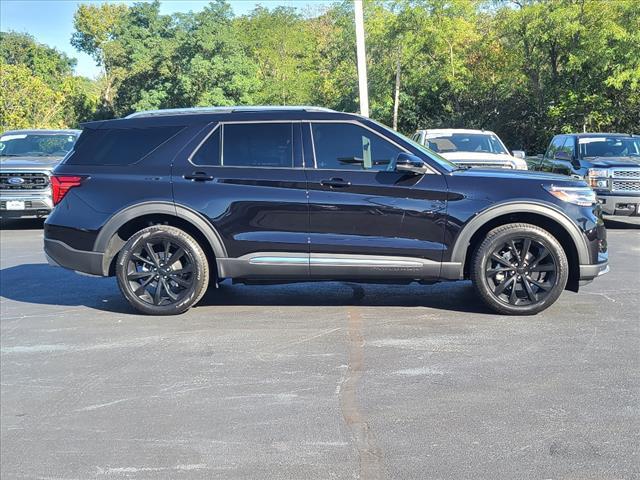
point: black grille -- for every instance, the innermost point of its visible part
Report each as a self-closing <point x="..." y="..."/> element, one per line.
<point x="30" y="181"/>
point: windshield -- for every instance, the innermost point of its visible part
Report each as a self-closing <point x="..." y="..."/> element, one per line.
<point x="609" y="146"/>
<point x="443" y="162"/>
<point x="36" y="145"/>
<point x="465" y="142"/>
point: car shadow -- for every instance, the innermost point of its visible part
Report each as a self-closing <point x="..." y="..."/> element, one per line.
<point x="40" y="284"/>
<point x="626" y="224"/>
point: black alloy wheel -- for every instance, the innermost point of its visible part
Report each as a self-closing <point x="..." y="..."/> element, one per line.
<point x="162" y="270"/>
<point x="519" y="269"/>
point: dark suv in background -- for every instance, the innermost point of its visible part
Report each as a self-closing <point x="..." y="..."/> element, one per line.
<point x="608" y="162"/>
<point x="170" y="200"/>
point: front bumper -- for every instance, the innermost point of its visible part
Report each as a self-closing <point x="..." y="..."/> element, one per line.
<point x="590" y="272"/>
<point x="30" y="204"/>
<point x="620" y="205"/>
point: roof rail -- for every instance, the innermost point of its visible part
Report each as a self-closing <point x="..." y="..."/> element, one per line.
<point x="205" y="110"/>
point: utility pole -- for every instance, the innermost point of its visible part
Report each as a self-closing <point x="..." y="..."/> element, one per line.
<point x="362" y="59"/>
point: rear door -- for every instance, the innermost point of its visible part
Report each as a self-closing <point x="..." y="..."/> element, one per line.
<point x="247" y="179"/>
<point x="361" y="212"/>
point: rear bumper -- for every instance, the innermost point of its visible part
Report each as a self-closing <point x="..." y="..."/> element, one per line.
<point x="60" y="254"/>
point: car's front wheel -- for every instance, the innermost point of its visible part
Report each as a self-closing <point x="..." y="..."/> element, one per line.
<point x="162" y="270"/>
<point x="519" y="269"/>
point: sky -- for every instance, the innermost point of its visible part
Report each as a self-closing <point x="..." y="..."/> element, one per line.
<point x="51" y="21"/>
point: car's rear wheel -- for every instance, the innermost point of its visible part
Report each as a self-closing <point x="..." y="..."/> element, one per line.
<point x="162" y="270"/>
<point x="519" y="269"/>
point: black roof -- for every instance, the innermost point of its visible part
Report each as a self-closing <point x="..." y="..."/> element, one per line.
<point x="192" y="116"/>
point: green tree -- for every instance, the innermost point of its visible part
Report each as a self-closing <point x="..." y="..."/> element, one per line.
<point x="26" y="101"/>
<point x="281" y="44"/>
<point x="45" y="62"/>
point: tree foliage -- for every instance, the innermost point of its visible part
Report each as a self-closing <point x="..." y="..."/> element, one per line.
<point x="524" y="68"/>
<point x="38" y="88"/>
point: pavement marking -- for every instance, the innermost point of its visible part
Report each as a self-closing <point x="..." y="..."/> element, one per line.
<point x="370" y="455"/>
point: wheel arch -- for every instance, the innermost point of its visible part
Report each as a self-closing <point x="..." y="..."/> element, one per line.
<point x="545" y="216"/>
<point x="126" y="222"/>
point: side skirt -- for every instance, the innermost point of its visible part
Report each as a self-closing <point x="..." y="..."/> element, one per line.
<point x="319" y="266"/>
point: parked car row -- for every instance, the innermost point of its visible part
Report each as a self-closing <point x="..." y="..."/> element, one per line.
<point x="609" y="162"/>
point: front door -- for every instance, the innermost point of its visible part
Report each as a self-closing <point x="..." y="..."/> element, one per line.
<point x="367" y="220"/>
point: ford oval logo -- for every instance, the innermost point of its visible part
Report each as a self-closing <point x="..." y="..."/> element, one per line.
<point x="16" y="180"/>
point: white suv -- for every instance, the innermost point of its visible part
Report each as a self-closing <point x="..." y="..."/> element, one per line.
<point x="471" y="148"/>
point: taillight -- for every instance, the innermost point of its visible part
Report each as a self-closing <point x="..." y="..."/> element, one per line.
<point x="61" y="184"/>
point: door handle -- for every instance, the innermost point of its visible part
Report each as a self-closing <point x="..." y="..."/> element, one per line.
<point x="335" y="183"/>
<point x="198" y="177"/>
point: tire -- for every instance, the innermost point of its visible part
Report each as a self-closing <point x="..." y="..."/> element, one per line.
<point x="512" y="285"/>
<point x="153" y="286"/>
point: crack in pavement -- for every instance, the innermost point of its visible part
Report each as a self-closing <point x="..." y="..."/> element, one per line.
<point x="370" y="455"/>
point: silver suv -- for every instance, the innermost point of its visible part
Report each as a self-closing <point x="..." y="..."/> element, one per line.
<point x="27" y="158"/>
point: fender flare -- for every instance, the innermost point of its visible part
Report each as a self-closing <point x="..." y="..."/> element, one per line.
<point x="104" y="241"/>
<point x="459" y="251"/>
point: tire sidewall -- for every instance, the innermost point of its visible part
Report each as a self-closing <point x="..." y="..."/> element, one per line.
<point x="548" y="241"/>
<point x="183" y="240"/>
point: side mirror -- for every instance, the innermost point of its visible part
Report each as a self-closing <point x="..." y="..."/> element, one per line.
<point x="564" y="156"/>
<point x="408" y="163"/>
<point x="518" y="153"/>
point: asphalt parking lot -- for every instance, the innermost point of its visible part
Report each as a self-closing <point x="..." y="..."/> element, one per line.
<point x="333" y="380"/>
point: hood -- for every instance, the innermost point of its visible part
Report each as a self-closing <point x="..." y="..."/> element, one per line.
<point x="475" y="157"/>
<point x="517" y="175"/>
<point x="606" y="162"/>
<point x="29" y="163"/>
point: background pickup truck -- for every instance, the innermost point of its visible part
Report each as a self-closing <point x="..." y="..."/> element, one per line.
<point x="27" y="158"/>
<point x="609" y="162"/>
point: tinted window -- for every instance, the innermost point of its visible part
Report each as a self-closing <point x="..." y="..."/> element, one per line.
<point x="609" y="146"/>
<point x="118" y="146"/>
<point x="209" y="151"/>
<point x="257" y="145"/>
<point x="350" y="147"/>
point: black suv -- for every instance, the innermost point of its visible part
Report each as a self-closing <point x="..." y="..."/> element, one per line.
<point x="609" y="162"/>
<point x="169" y="201"/>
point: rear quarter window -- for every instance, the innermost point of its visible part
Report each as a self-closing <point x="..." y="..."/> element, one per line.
<point x="119" y="146"/>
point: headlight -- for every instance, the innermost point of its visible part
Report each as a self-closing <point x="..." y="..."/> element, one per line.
<point x="583" y="196"/>
<point x="597" y="177"/>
